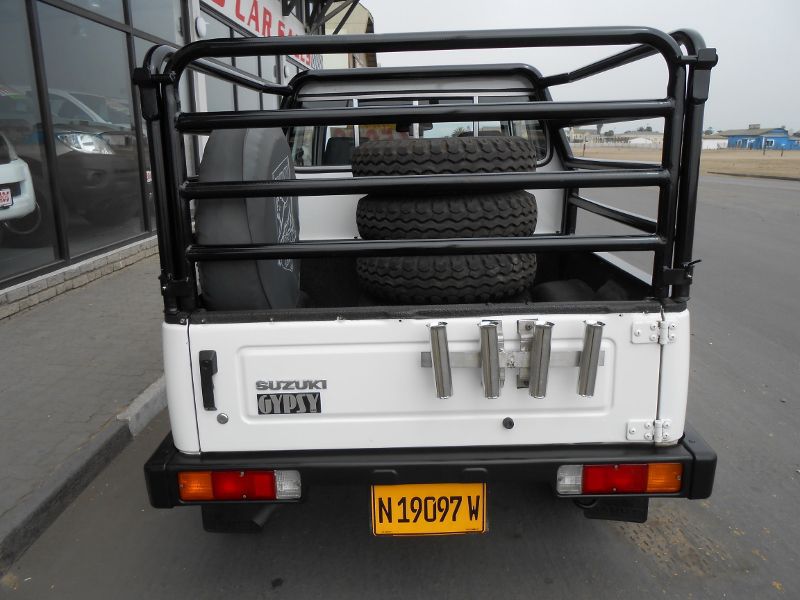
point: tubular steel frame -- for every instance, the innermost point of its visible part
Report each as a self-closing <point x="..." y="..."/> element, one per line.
<point x="669" y="237"/>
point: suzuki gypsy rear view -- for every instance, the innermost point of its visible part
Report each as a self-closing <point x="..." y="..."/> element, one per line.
<point x="389" y="282"/>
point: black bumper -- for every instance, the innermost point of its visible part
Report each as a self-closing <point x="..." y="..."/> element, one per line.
<point x="471" y="464"/>
<point x="92" y="182"/>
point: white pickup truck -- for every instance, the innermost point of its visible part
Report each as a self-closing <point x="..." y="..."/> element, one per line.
<point x="381" y="283"/>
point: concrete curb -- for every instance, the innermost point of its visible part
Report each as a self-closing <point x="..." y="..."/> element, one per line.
<point x="145" y="407"/>
<point x="778" y="177"/>
<point x="26" y="522"/>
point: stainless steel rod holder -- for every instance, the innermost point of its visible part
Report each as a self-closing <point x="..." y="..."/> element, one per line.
<point x="440" y="358"/>
<point x="539" y="365"/>
<point x="590" y="357"/>
<point x="490" y="359"/>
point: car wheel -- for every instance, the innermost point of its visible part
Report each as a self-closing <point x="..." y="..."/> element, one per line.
<point x="33" y="229"/>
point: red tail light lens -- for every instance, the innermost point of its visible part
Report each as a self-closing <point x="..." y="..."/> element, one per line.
<point x="243" y="485"/>
<point x="614" y="479"/>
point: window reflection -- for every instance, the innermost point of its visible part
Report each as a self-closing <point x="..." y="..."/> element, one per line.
<point x="107" y="8"/>
<point x="161" y="18"/>
<point x="27" y="237"/>
<point x="90" y="102"/>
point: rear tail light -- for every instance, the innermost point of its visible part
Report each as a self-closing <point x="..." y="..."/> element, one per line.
<point x="595" y="480"/>
<point x="198" y="486"/>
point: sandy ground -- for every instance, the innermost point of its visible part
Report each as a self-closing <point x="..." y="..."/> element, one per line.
<point x="728" y="161"/>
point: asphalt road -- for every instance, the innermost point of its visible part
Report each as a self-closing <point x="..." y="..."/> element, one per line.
<point x="742" y="543"/>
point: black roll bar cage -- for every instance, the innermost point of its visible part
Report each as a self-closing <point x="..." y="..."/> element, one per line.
<point x="669" y="237"/>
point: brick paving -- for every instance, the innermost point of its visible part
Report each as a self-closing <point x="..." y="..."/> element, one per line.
<point x="68" y="366"/>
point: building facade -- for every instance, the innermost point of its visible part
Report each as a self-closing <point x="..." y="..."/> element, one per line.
<point x="757" y="138"/>
<point x="74" y="168"/>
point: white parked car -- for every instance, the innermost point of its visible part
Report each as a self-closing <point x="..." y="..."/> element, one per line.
<point x="17" y="198"/>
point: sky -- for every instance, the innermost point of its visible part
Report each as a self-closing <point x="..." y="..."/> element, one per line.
<point x="757" y="79"/>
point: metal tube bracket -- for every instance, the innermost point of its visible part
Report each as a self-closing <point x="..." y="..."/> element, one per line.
<point x="590" y="357"/>
<point x="492" y="374"/>
<point x="536" y="338"/>
<point x="440" y="360"/>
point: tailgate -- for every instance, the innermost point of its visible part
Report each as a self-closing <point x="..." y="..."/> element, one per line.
<point x="367" y="384"/>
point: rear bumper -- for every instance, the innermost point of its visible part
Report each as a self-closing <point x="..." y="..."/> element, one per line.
<point x="473" y="464"/>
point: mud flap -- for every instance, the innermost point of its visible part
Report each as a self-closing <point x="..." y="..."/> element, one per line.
<point x="236" y="518"/>
<point x="630" y="510"/>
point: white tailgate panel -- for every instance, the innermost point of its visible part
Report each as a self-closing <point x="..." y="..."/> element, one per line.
<point x="378" y="396"/>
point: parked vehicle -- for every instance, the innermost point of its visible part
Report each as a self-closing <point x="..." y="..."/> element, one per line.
<point x="98" y="170"/>
<point x="17" y="198"/>
<point x="381" y="283"/>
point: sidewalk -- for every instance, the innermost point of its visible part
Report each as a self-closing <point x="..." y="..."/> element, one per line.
<point x="68" y="367"/>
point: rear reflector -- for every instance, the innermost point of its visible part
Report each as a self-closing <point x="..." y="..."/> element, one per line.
<point x="196" y="486"/>
<point x="594" y="480"/>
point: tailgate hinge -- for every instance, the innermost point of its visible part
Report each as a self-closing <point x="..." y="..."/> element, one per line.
<point x="176" y="288"/>
<point x="657" y="431"/>
<point x="654" y="332"/>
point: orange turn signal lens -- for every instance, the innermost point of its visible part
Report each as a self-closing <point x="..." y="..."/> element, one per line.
<point x="664" y="477"/>
<point x="195" y="485"/>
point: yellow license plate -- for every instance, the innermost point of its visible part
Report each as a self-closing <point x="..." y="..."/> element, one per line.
<point x="429" y="508"/>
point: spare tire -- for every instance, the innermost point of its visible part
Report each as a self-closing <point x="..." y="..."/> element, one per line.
<point x="504" y="214"/>
<point x="446" y="279"/>
<point x="444" y="155"/>
<point x="247" y="155"/>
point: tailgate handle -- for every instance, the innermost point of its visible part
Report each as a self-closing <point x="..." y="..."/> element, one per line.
<point x="208" y="368"/>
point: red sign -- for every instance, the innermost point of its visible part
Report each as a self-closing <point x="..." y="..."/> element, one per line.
<point x="261" y="17"/>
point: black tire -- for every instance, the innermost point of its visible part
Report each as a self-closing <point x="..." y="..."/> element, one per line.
<point x="34" y="230"/>
<point x="446" y="279"/>
<point x="504" y="214"/>
<point x="444" y="155"/>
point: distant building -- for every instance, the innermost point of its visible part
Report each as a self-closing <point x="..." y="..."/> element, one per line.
<point x="714" y="141"/>
<point x="756" y="137"/>
<point x="347" y="21"/>
<point x="652" y="139"/>
<point x="579" y="135"/>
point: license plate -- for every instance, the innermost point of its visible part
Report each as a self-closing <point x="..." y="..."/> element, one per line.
<point x="429" y="509"/>
<point x="6" y="199"/>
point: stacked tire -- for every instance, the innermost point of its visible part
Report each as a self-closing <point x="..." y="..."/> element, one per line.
<point x="448" y="278"/>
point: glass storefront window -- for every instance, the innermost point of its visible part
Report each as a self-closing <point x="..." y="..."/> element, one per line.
<point x="27" y="228"/>
<point x="161" y="18"/>
<point x="247" y="99"/>
<point x="86" y="66"/>
<point x="108" y="8"/>
<point x="219" y="94"/>
<point x="269" y="71"/>
<point x="216" y="29"/>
